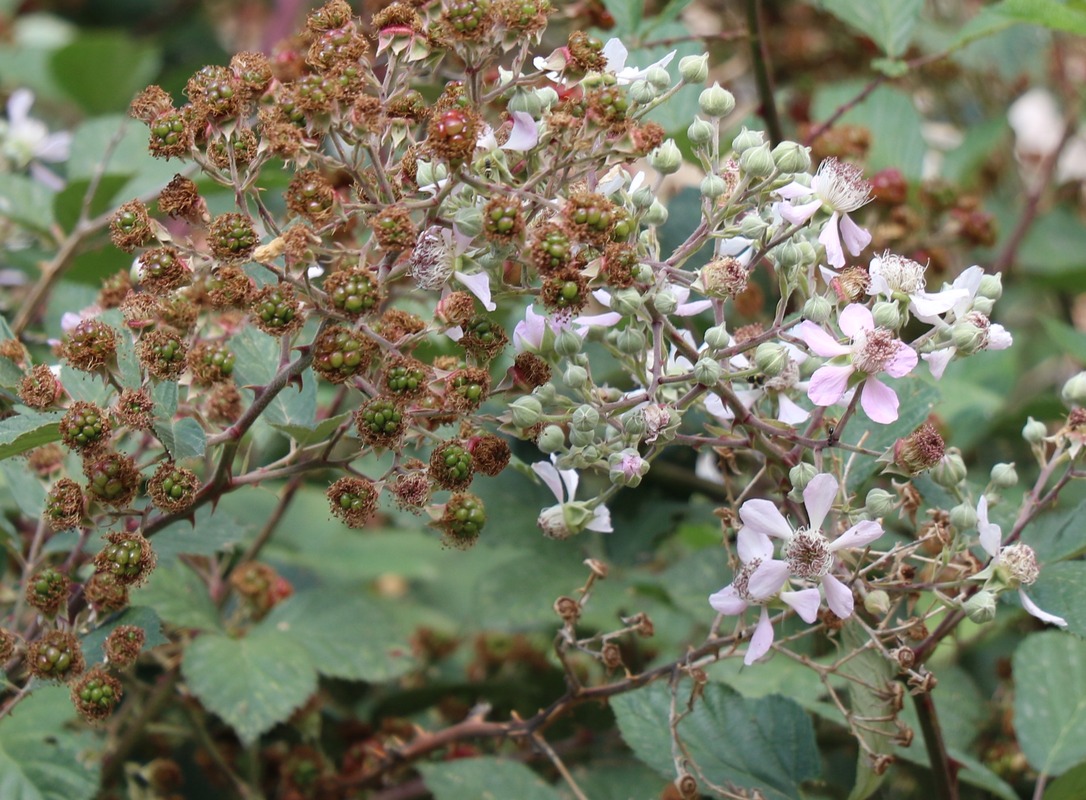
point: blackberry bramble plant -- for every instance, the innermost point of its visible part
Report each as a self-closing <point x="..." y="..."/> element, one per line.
<point x="423" y="382"/>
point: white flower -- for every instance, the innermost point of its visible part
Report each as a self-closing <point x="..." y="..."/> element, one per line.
<point x="25" y="141"/>
<point x="841" y="188"/>
<point x="569" y="517"/>
<point x="616" y="54"/>
<point x="892" y="274"/>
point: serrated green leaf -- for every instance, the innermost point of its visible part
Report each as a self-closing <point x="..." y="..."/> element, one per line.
<point x="103" y="71"/>
<point x="1069" y="786"/>
<point x="142" y="617"/>
<point x="302" y="435"/>
<point x="179" y="597"/>
<point x="352" y="637"/>
<point x="1057" y="535"/>
<point x="888" y="23"/>
<point x="1061" y="590"/>
<point x="1052" y="14"/>
<point x="10" y="375"/>
<point x="39" y="760"/>
<point x="627" y="15"/>
<point x="26" y="488"/>
<point x="28" y="430"/>
<point x="767" y="743"/>
<point x="128" y="157"/>
<point x="253" y="682"/>
<point x="870" y="674"/>
<point x="1054" y="249"/>
<point x="68" y="202"/>
<point x="485" y="778"/>
<point x="257" y="359"/>
<point x="210" y="532"/>
<point x="500" y="597"/>
<point x="86" y="386"/>
<point x="26" y="202"/>
<point x="1050" y="700"/>
<point x="189" y="439"/>
<point x="164" y="395"/>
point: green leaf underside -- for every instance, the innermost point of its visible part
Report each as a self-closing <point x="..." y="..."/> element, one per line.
<point x="767" y="743"/>
<point x="485" y="778"/>
<point x="1050" y="700"/>
<point x="888" y="23"/>
<point x="28" y="430"/>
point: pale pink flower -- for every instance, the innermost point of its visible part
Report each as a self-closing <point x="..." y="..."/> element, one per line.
<point x="871" y="350"/>
<point x="893" y="276"/>
<point x="569" y="516"/>
<point x="26" y="141"/>
<point x="523" y="137"/>
<point x="616" y="54"/>
<point x="808" y="556"/>
<point x="839" y="187"/>
<point x="1016" y="562"/>
<point x="754" y="548"/>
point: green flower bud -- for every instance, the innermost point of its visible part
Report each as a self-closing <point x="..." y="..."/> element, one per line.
<point x="950" y="471"/>
<point x="752" y="226"/>
<point x="1074" y="391"/>
<point x="963" y="517"/>
<point x="792" y="157"/>
<point x="877" y="602"/>
<point x="1034" y="431"/>
<point x="585" y="418"/>
<point x="551" y="439"/>
<point x="528" y="102"/>
<point x="694" y="69"/>
<point x="581" y="438"/>
<point x="788" y="255"/>
<point x="630" y="341"/>
<point x="659" y="78"/>
<point x="707" y="371"/>
<point x="700" y="131"/>
<point x="981" y="607"/>
<point x="567" y="343"/>
<point x="469" y="220"/>
<point x="643" y="273"/>
<point x="880" y="503"/>
<point x="771" y="358"/>
<point x="717" y="337"/>
<point x="666" y="158"/>
<point x="967" y="337"/>
<point x="746" y="140"/>
<point x="546" y="393"/>
<point x="801" y="474"/>
<point x="626" y="468"/>
<point x="887" y="315"/>
<point x="525" y="411"/>
<point x="991" y="287"/>
<point x="633" y="423"/>
<point x="656" y="215"/>
<point x="716" y="101"/>
<point x="575" y="377"/>
<point x="757" y="161"/>
<point x="982" y="305"/>
<point x="817" y="309"/>
<point x="1004" y="476"/>
<point x="627" y="302"/>
<point x="665" y="302"/>
<point x="642" y="92"/>
<point x="713" y="186"/>
<point x="642" y="199"/>
<point x="547" y="96"/>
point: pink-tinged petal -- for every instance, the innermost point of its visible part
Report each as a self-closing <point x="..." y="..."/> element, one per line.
<point x="831" y="240"/>
<point x="762" y="639"/>
<point x="19" y="106"/>
<point x="828" y="384"/>
<point x="938" y="360"/>
<point x="1036" y="611"/>
<point x="47" y="178"/>
<point x="806" y="603"/>
<point x="608" y="319"/>
<point x="486" y="139"/>
<point x="789" y="412"/>
<point x="601" y="520"/>
<point x="879" y="401"/>
<point x="998" y="338"/>
<point x="479" y="285"/>
<point x="855" y="237"/>
<point x="794" y="191"/>
<point x="877" y="286"/>
<point x="927" y="306"/>
<point x="818" y="497"/>
<point x="820" y="342"/>
<point x="751" y="545"/>
<point x="54" y="147"/>
<point x="763" y="517"/>
<point x="801" y="214"/>
<point x="727" y="601"/>
<point x="455" y="333"/>
<point x="859" y="535"/>
<point x="715" y="406"/>
<point x="991" y="536"/>
<point x="902" y="362"/>
<point x="855" y="318"/>
<point x="525" y="133"/>
<point x="767" y="579"/>
<point x="690" y="309"/>
<point x="549" y="474"/>
<point x="529" y="331"/>
<point x="838" y="596"/>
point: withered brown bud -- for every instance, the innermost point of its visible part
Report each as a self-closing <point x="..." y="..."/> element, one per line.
<point x="40" y="389"/>
<point x="568" y="609"/>
<point x="920" y="450"/>
<point x="182" y="199"/>
<point x="353" y="500"/>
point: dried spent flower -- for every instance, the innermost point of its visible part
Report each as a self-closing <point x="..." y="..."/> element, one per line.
<point x="112" y="478"/>
<point x="90" y="345"/>
<point x="96" y="694"/>
<point x="55" y="656"/>
<point x="134" y="408"/>
<point x="40" y="389"/>
<point x="123" y="645"/>
<point x="128" y="558"/>
<point x="353" y="500"/>
<point x="64" y="505"/>
<point x="105" y="593"/>
<point x="180" y="198"/>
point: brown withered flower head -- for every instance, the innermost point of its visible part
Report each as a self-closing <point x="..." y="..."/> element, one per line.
<point x="115" y="289"/>
<point x="64" y="505"/>
<point x="90" y="345"/>
<point x="181" y="199"/>
<point x="353" y="500"/>
<point x="232" y="237"/>
<point x="112" y="478"/>
<point x="151" y="103"/>
<point x="393" y="228"/>
<point x="105" y="594"/>
<point x="128" y="558"/>
<point x="210" y="362"/>
<point x="339" y="353"/>
<point x="253" y="72"/>
<point x="40" y="389"/>
<point x="491" y="453"/>
<point x="223" y="404"/>
<point x="55" y="656"/>
<point x="134" y="408"/>
<point x="310" y="195"/>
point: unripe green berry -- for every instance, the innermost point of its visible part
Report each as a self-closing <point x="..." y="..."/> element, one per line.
<point x="694" y="69"/>
<point x="1004" y="476"/>
<point x="716" y="101"/>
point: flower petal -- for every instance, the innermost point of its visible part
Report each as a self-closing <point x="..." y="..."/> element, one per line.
<point x="616" y="54"/>
<point x="938" y="360"/>
<point x="998" y="338"/>
<point x="763" y="517"/>
<point x="856" y="238"/>
<point x="855" y="318"/>
<point x="601" y="520"/>
<point x="1036" y="611"/>
<point x="549" y="474"/>
<point x="789" y="412"/>
<point x="838" y="596"/>
<point x="828" y="384"/>
<point x="801" y="214"/>
<point x="903" y="361"/>
<point x="767" y="579"/>
<point x="927" y="306"/>
<point x="819" y="342"/>
<point x="19" y="106"/>
<point x="794" y="190"/>
<point x="859" y="535"/>
<point x="525" y="133"/>
<point x="818" y="497"/>
<point x="762" y="639"/>
<point x="479" y="285"/>
<point x="991" y="536"/>
<point x="751" y="545"/>
<point x="727" y="601"/>
<point x="879" y="401"/>
<point x="805" y="602"/>
<point x="831" y="240"/>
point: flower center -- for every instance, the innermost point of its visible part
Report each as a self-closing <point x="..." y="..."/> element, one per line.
<point x="431" y="264"/>
<point x="901" y="274"/>
<point x="808" y="554"/>
<point x="873" y="349"/>
<point x="841" y="186"/>
<point x="742" y="578"/>
<point x="1020" y="562"/>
